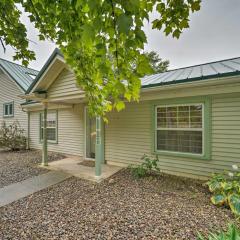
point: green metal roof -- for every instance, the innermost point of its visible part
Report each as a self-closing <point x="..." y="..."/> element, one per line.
<point x="223" y="68"/>
<point x="212" y="70"/>
<point x="23" y="76"/>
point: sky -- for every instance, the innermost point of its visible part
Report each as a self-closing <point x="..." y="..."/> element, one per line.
<point x="214" y="34"/>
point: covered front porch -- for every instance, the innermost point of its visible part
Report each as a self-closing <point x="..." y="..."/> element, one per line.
<point x="92" y="142"/>
<point x="93" y="145"/>
<point x="59" y="120"/>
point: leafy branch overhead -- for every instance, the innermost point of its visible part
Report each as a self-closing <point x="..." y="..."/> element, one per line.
<point x="13" y="32"/>
<point x="102" y="40"/>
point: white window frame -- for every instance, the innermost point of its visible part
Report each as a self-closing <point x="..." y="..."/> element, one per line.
<point x="180" y="129"/>
<point x="41" y="127"/>
<point x="8" y="104"/>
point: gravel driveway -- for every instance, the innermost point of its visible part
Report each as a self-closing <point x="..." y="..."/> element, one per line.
<point x="20" y="165"/>
<point x="121" y="208"/>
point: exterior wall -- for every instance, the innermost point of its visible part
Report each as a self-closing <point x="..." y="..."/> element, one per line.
<point x="128" y="136"/>
<point x="70" y="131"/>
<point x="64" y="85"/>
<point x="9" y="92"/>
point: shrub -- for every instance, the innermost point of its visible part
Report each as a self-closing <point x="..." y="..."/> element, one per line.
<point x="226" y="189"/>
<point x="149" y="165"/>
<point x="232" y="234"/>
<point x="12" y="136"/>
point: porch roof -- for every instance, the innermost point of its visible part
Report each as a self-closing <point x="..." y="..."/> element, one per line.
<point x="45" y="66"/>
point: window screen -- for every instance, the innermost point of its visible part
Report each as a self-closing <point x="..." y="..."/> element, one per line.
<point x="51" y="126"/>
<point x="180" y="128"/>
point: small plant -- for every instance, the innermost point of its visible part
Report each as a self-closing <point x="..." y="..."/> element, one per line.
<point x="232" y="234"/>
<point x="226" y="189"/>
<point x="149" y="165"/>
<point x="12" y="136"/>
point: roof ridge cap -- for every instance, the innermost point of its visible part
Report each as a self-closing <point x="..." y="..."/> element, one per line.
<point x="201" y="64"/>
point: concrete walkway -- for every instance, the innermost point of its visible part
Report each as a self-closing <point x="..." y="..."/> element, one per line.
<point x="29" y="186"/>
<point x="71" y="165"/>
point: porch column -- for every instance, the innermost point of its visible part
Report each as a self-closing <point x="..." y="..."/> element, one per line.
<point x="44" y="144"/>
<point x="99" y="158"/>
<point x="28" y="131"/>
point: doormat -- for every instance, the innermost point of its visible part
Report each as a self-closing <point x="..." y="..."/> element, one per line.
<point x="87" y="163"/>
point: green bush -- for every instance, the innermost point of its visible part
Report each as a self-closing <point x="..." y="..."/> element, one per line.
<point x="232" y="234"/>
<point x="226" y="189"/>
<point x="12" y="136"/>
<point x="149" y="165"/>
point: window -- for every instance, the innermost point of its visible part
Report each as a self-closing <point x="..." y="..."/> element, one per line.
<point x="51" y="126"/>
<point x="8" y="109"/>
<point x="179" y="128"/>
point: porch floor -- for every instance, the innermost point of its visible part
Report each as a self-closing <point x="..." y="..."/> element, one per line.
<point x="71" y="166"/>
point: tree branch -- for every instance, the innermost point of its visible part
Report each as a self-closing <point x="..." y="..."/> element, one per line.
<point x="116" y="34"/>
<point x="2" y="43"/>
<point x="36" y="13"/>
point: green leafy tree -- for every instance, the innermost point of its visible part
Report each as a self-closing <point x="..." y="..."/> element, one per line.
<point x="158" y="65"/>
<point x="101" y="40"/>
<point x="13" y="32"/>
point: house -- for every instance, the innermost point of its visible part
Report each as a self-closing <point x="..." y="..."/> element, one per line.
<point x="14" y="81"/>
<point x="189" y="117"/>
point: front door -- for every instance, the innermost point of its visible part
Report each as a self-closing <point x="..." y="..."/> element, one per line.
<point x="90" y="135"/>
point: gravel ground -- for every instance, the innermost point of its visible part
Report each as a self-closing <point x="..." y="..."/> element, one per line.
<point x="120" y="208"/>
<point x="20" y="165"/>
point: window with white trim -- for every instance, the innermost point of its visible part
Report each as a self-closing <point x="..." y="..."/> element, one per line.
<point x="51" y="126"/>
<point x="8" y="109"/>
<point x="179" y="128"/>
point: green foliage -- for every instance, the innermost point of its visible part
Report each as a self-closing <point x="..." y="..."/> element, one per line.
<point x="226" y="190"/>
<point x="158" y="65"/>
<point x="102" y="40"/>
<point x="232" y="234"/>
<point x="12" y="137"/>
<point x="138" y="171"/>
<point x="149" y="166"/>
<point x="13" y="32"/>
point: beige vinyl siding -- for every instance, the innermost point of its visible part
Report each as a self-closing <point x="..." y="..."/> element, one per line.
<point x="64" y="85"/>
<point x="70" y="131"/>
<point x="9" y="92"/>
<point x="129" y="135"/>
<point x="226" y="130"/>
